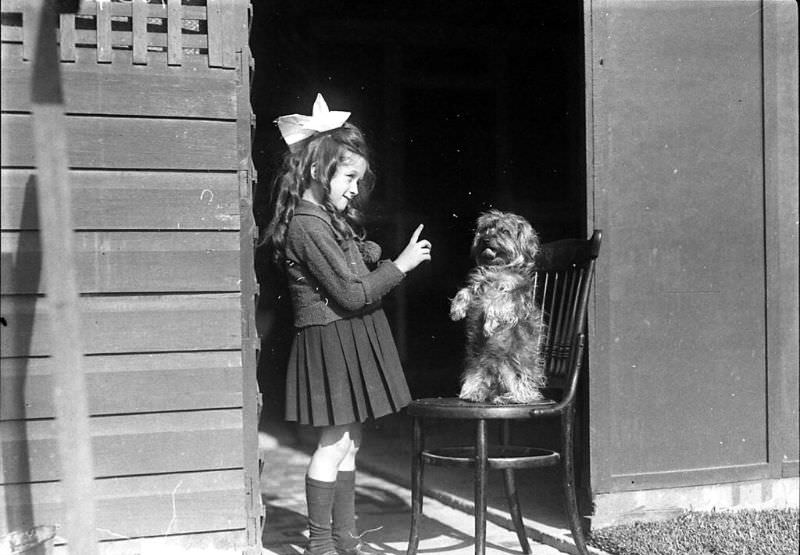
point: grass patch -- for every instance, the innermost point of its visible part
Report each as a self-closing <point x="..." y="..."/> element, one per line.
<point x="745" y="532"/>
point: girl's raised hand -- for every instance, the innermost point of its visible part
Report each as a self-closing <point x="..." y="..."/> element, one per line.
<point x="415" y="252"/>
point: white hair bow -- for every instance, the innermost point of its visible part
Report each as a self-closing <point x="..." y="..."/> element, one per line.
<point x="294" y="128"/>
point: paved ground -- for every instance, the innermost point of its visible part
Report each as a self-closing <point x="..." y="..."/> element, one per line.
<point x="381" y="505"/>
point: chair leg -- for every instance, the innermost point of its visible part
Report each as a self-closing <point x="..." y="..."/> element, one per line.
<point x="481" y="455"/>
<point x="416" y="486"/>
<point x="511" y="494"/>
<point x="567" y="423"/>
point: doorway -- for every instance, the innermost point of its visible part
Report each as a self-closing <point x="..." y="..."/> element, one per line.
<point x="469" y="106"/>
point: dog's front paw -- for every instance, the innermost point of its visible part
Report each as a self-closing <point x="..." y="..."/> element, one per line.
<point x="475" y="392"/>
<point x="460" y="304"/>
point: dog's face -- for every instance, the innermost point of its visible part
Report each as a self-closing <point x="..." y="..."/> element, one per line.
<point x="504" y="239"/>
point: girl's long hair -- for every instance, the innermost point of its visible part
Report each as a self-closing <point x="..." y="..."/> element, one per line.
<point x="325" y="151"/>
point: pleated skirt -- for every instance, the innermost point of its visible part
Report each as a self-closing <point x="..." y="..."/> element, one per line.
<point x="344" y="372"/>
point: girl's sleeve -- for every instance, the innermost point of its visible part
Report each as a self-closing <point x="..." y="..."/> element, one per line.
<point x="316" y="246"/>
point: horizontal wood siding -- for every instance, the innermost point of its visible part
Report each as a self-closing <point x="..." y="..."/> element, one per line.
<point x="205" y="542"/>
<point x="127" y="445"/>
<point x="129" y="143"/>
<point x="130" y="200"/>
<point x="117" y="324"/>
<point x="140" y="506"/>
<point x="129" y="262"/>
<point x="125" y="89"/>
<point x="121" y="384"/>
<point x="155" y="155"/>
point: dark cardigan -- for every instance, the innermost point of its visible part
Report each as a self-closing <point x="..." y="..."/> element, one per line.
<point x="329" y="281"/>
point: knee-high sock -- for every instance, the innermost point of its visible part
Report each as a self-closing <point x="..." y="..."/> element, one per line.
<point x="344" y="511"/>
<point x="319" y="498"/>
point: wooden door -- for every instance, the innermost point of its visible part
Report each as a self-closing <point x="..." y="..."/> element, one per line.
<point x="691" y="178"/>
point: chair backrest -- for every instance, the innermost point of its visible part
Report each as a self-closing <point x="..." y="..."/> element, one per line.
<point x="563" y="279"/>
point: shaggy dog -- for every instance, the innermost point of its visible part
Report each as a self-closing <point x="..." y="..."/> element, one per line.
<point x="504" y="326"/>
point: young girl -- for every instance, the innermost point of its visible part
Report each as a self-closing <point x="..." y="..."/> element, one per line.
<point x="343" y="367"/>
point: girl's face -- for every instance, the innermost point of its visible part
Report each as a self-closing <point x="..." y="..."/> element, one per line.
<point x="344" y="183"/>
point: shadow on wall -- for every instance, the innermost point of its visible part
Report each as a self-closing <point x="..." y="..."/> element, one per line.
<point x="23" y="270"/>
<point x="274" y="324"/>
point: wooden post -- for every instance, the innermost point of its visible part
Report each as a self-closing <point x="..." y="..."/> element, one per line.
<point x="55" y="218"/>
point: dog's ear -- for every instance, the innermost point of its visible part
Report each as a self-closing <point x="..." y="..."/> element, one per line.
<point x="474" y="249"/>
<point x="529" y="240"/>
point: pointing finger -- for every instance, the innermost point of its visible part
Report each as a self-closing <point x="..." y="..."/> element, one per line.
<point x="415" y="235"/>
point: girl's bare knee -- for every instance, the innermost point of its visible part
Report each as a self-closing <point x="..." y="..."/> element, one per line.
<point x="337" y="447"/>
<point x="334" y="441"/>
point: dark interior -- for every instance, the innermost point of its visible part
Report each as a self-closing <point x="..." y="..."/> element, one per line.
<point x="467" y="106"/>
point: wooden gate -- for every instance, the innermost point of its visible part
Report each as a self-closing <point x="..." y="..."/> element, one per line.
<point x="158" y="129"/>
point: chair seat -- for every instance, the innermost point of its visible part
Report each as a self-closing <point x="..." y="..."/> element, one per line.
<point x="453" y="407"/>
<point x="500" y="456"/>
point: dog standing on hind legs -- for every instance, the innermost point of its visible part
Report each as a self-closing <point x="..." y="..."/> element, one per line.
<point x="504" y="326"/>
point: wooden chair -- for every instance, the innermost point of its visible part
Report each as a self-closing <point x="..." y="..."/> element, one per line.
<point x="564" y="274"/>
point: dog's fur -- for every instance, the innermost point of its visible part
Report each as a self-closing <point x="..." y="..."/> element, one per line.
<point x="504" y="327"/>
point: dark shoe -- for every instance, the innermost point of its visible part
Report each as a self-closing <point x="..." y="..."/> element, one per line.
<point x="360" y="548"/>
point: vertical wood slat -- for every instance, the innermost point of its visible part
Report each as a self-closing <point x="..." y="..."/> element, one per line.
<point x="139" y="29"/>
<point x="551" y="311"/>
<point x="174" y="33"/>
<point x="67" y="37"/>
<point x="216" y="42"/>
<point x="569" y="325"/>
<point x="545" y="296"/>
<point x="29" y="27"/>
<point x="250" y="339"/>
<point x="561" y="317"/>
<point x="581" y="276"/>
<point x="229" y="33"/>
<point x="556" y="321"/>
<point x="103" y="20"/>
